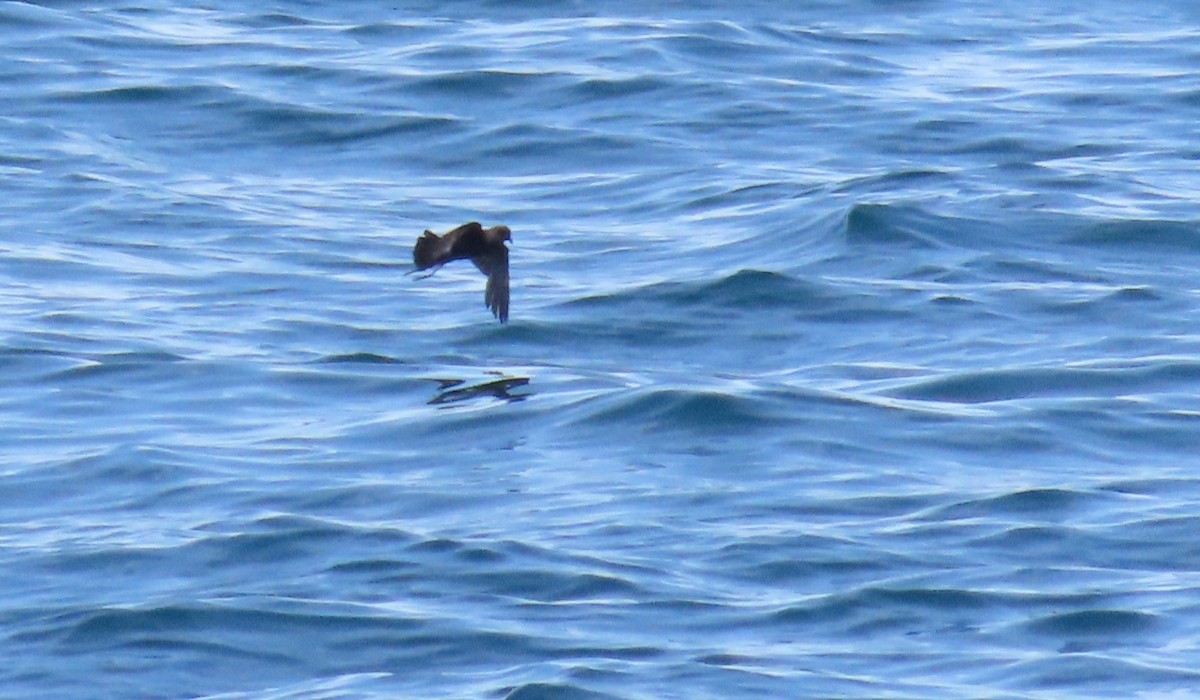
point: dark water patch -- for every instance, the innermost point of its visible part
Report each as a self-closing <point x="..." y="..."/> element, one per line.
<point x="132" y="41"/>
<point x="889" y="181"/>
<point x="160" y="95"/>
<point x="366" y="358"/>
<point x="649" y="330"/>
<point x="986" y="386"/>
<point x="1112" y="627"/>
<point x="1045" y="505"/>
<point x="809" y="564"/>
<point x="1002" y="266"/>
<point x="1166" y="532"/>
<point x="1137" y="295"/>
<point x="1187" y="98"/>
<point x="933" y="599"/>
<point x="728" y="659"/>
<point x="439" y="55"/>
<point x="392" y="31"/>
<point x="748" y="289"/>
<point x="120" y="369"/>
<point x="287" y="542"/>
<point x="182" y="625"/>
<point x="297" y="125"/>
<point x="31" y="364"/>
<point x="1096" y="101"/>
<point x="148" y="388"/>
<point x="483" y="84"/>
<point x="362" y="379"/>
<point x="718" y="44"/>
<point x="869" y="506"/>
<point x="745" y="198"/>
<point x="270" y="20"/>
<point x="1103" y="304"/>
<point x="683" y="311"/>
<point x="254" y="549"/>
<point x="618" y="88"/>
<point x="1096" y="674"/>
<point x="737" y="119"/>
<point x="879" y="224"/>
<point x="689" y="410"/>
<point x="437" y="545"/>
<point x="226" y="118"/>
<point x="1087" y="548"/>
<point x="540" y="585"/>
<point x="1078" y="184"/>
<point x="1004" y="148"/>
<point x="481" y="555"/>
<point x="1157" y="486"/>
<point x="380" y="569"/>
<point x="131" y="465"/>
<point x="1037" y="501"/>
<point x="1149" y="237"/>
<point x="111" y="478"/>
<point x="875" y="610"/>
<point x="525" y="142"/>
<point x="953" y="301"/>
<point x="555" y="691"/>
<point x="351" y="496"/>
<point x="111" y="556"/>
<point x="25" y="16"/>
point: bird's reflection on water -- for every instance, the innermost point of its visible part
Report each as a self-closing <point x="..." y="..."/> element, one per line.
<point x="451" y="391"/>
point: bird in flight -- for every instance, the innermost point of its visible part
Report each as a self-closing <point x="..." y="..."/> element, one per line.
<point x="484" y="247"/>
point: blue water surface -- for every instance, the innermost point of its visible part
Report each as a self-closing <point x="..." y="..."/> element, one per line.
<point x="854" y="350"/>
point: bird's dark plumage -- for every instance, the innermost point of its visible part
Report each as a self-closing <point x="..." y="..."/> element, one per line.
<point x="484" y="247"/>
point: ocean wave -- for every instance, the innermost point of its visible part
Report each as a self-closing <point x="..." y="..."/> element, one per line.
<point x="1108" y="628"/>
<point x="877" y="224"/>
<point x="985" y="386"/>
<point x="555" y="691"/>
<point x="692" y="410"/>
<point x="173" y="95"/>
<point x="1072" y="666"/>
<point x="125" y="363"/>
<point x="746" y="289"/>
<point x="1145" y="237"/>
<point x="741" y="290"/>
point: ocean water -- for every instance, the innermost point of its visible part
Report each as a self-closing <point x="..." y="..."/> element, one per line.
<point x="854" y="350"/>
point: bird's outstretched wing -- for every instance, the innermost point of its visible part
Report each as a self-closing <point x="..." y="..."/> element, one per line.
<point x="431" y="250"/>
<point x="495" y="294"/>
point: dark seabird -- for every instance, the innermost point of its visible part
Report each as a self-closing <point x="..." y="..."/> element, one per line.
<point x="484" y="247"/>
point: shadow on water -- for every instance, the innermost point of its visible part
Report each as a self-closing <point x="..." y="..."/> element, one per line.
<point x="451" y="391"/>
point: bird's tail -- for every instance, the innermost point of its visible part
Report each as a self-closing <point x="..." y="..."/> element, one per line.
<point x="425" y="252"/>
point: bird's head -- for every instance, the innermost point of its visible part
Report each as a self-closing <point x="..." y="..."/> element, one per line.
<point x="499" y="234"/>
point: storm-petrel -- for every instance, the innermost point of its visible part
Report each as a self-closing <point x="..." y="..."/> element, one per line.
<point x="484" y="247"/>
